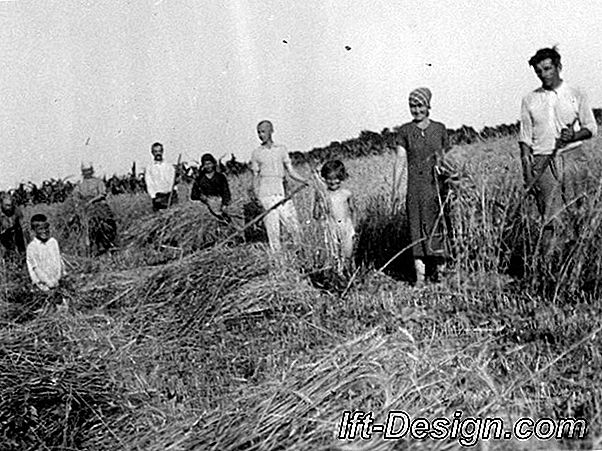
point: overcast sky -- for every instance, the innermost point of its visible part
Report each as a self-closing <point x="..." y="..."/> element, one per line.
<point x="99" y="81"/>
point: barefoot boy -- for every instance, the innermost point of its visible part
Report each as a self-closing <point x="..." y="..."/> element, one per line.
<point x="44" y="261"/>
<point x="269" y="164"/>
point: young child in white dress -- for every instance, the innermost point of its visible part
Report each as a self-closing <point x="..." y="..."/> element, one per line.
<point x="336" y="207"/>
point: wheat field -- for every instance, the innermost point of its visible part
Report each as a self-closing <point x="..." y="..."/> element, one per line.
<point x="188" y="339"/>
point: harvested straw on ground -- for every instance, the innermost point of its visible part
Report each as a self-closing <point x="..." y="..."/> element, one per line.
<point x="187" y="226"/>
<point x="57" y="388"/>
<point x="210" y="287"/>
<point x="220" y="310"/>
<point x="265" y="296"/>
<point x="184" y="292"/>
<point x="302" y="409"/>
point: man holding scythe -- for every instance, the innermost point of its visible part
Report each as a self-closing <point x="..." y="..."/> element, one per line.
<point x="270" y="162"/>
<point x="555" y="119"/>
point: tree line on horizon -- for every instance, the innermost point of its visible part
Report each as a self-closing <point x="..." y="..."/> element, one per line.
<point x="367" y="143"/>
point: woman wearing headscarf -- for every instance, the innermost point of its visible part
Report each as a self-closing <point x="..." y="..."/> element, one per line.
<point x="425" y="142"/>
<point x="101" y="225"/>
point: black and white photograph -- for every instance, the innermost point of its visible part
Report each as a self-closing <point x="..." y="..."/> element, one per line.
<point x="260" y="225"/>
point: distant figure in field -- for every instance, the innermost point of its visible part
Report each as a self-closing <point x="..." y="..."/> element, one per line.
<point x="12" y="237"/>
<point x="269" y="164"/>
<point x="555" y="119"/>
<point x="160" y="180"/>
<point x="44" y="261"/>
<point x="91" y="194"/>
<point x="425" y="143"/>
<point x="336" y="208"/>
<point x="211" y="188"/>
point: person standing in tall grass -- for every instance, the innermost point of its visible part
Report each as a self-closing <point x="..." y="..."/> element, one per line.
<point x="336" y="208"/>
<point x="425" y="143"/>
<point x="555" y="119"/>
<point x="160" y="180"/>
<point x="101" y="226"/>
<point x="270" y="162"/>
<point x="12" y="237"/>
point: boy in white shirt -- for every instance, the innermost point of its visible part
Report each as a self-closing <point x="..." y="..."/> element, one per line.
<point x="269" y="164"/>
<point x="44" y="261"/>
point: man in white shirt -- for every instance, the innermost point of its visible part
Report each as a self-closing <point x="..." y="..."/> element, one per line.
<point x="160" y="180"/>
<point x="555" y="119"/>
<point x="269" y="164"/>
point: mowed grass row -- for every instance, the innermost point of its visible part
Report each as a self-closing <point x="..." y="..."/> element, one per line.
<point x="174" y="344"/>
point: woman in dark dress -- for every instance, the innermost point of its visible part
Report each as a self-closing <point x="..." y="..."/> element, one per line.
<point x="211" y="188"/>
<point x="425" y="142"/>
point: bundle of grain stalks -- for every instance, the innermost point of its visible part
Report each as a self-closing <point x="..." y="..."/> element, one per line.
<point x="57" y="386"/>
<point x="186" y="228"/>
<point x="68" y="223"/>
<point x="321" y="209"/>
<point x="183" y="295"/>
<point x="205" y="274"/>
<point x="202" y="294"/>
<point x="106" y="288"/>
<point x="381" y="235"/>
<point x="479" y="216"/>
<point x="231" y="312"/>
<point x="266" y="296"/>
<point x="569" y="261"/>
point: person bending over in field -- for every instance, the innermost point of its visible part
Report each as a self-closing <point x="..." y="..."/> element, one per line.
<point x="425" y="143"/>
<point x="211" y="188"/>
<point x="101" y="226"/>
<point x="269" y="163"/>
<point x="12" y="237"/>
<point x="160" y="180"/>
<point x="555" y="119"/>
<point x="336" y="207"/>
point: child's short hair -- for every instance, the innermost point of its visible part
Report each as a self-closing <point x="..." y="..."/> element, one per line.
<point x="208" y="157"/>
<point x="265" y="121"/>
<point x="157" y="144"/>
<point x="542" y="54"/>
<point x="334" y="167"/>
<point x="39" y="217"/>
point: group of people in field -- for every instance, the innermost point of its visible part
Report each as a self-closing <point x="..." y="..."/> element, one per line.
<point x="555" y="119"/>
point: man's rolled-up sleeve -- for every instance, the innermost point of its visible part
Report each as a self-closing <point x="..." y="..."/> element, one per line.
<point x="586" y="114"/>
